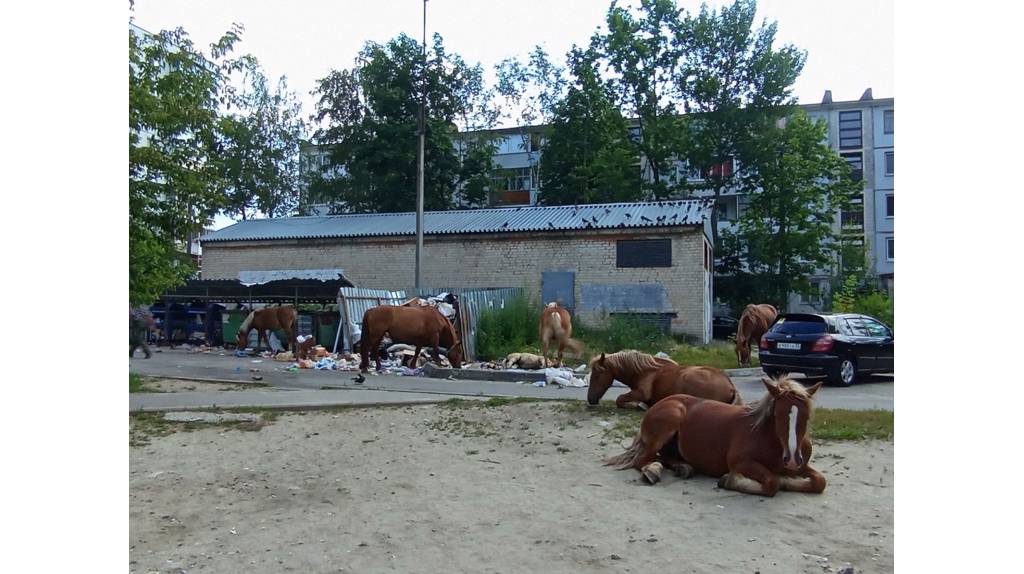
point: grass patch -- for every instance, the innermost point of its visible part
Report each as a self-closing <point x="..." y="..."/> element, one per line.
<point x="717" y="354"/>
<point x="138" y="384"/>
<point x="489" y="403"/>
<point x="512" y="329"/>
<point x="144" y="426"/>
<point x="623" y="332"/>
<point x="842" y="424"/>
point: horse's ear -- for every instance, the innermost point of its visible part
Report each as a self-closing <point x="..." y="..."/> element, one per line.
<point x="814" y="388"/>
<point x="601" y="360"/>
<point x="771" y="386"/>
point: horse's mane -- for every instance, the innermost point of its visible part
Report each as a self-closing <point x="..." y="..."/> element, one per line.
<point x="248" y="321"/>
<point x="761" y="411"/>
<point x="629" y="361"/>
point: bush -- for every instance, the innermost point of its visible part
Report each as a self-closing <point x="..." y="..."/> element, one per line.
<point x="513" y="329"/>
<point x="624" y="332"/>
<point x="854" y="297"/>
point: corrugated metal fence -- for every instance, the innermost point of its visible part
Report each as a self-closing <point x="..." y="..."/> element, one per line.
<point x="353" y="302"/>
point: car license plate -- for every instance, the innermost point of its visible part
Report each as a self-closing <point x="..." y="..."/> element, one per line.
<point x="791" y="346"/>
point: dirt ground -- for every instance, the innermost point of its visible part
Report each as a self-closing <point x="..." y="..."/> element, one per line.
<point x="515" y="488"/>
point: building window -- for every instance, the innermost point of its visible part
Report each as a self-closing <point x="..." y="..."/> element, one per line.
<point x="888" y="206"/>
<point x="643" y="253"/>
<point x="856" y="162"/>
<point x="516" y="179"/>
<point x="887" y="121"/>
<point x="850" y="130"/>
<point x="888" y="163"/>
<point x="888" y="249"/>
<point x="634" y="134"/>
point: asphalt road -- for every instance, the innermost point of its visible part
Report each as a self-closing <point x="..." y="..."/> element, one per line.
<point x="874" y="393"/>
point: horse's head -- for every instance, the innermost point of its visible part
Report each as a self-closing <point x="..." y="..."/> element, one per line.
<point x="792" y="406"/>
<point x="455" y="355"/>
<point x="601" y="379"/>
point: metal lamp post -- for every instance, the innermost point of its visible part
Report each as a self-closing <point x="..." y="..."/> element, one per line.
<point x="419" y="171"/>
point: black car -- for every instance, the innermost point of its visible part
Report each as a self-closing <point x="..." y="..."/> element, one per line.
<point x="840" y="347"/>
<point x="723" y="326"/>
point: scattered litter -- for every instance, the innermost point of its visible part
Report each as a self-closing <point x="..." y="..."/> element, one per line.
<point x="257" y="360"/>
<point x="563" y="377"/>
<point x="540" y="384"/>
<point x="604" y="423"/>
<point x="241" y="354"/>
<point x="719" y="506"/>
<point x="580" y="368"/>
<point x="661" y="355"/>
<point x="257" y="378"/>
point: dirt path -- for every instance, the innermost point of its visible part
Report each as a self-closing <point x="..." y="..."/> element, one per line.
<point x="517" y="488"/>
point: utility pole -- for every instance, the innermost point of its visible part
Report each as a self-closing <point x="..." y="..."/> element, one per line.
<point x="419" y="171"/>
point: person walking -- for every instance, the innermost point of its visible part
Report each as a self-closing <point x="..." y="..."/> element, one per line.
<point x="140" y="321"/>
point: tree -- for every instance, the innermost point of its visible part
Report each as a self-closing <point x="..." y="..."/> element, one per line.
<point x="795" y="183"/>
<point x="735" y="83"/>
<point x="640" y="50"/>
<point x="174" y="175"/>
<point x="260" y="159"/>
<point x="368" y="118"/>
<point x="588" y="157"/>
<point x="530" y="91"/>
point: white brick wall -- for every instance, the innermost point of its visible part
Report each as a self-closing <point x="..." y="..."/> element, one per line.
<point x="483" y="260"/>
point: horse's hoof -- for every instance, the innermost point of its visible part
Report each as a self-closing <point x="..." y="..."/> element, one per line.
<point x="723" y="482"/>
<point x="652" y="472"/>
<point x="684" y="470"/>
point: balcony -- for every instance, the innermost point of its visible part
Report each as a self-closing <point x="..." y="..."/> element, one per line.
<point x="506" y="198"/>
<point x="852" y="221"/>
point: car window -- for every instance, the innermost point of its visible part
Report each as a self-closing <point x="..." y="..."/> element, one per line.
<point x="843" y="327"/>
<point x="857" y="327"/>
<point x="791" y="327"/>
<point x="875" y="328"/>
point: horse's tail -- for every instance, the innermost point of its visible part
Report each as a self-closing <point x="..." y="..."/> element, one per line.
<point x="626" y="459"/>
<point x="558" y="329"/>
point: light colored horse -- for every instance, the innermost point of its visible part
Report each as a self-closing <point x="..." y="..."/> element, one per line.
<point x="754" y="323"/>
<point x="556" y="327"/>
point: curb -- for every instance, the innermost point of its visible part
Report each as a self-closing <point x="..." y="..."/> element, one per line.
<point x="301" y="407"/>
<point x="207" y="380"/>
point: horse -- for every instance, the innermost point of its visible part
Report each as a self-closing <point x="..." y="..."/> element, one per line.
<point x="651" y="379"/>
<point x="754" y="323"/>
<point x="284" y="318"/>
<point x="420" y="326"/>
<point x="556" y="326"/>
<point x="756" y="449"/>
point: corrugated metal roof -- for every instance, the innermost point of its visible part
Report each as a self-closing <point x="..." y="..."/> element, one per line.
<point x="511" y="219"/>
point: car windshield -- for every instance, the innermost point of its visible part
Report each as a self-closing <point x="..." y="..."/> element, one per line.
<point x="798" y="327"/>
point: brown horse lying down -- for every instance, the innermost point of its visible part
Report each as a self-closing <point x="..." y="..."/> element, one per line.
<point x="754" y="323"/>
<point x="556" y="327"/>
<point x="651" y="379"/>
<point x="420" y="326"/>
<point x="756" y="449"/>
<point x="284" y="318"/>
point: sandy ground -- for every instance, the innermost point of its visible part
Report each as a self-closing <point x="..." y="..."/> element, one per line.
<point x="518" y="488"/>
<point x="180" y="386"/>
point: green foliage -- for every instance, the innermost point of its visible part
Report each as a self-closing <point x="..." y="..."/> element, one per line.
<point x="640" y="49"/>
<point x="368" y="118"/>
<point x="588" y="157"/>
<point x="717" y="354"/>
<point x="795" y="182"/>
<point x="858" y="296"/>
<point x="624" y="332"/>
<point x="735" y="81"/>
<point x="137" y="384"/>
<point x="174" y="136"/>
<point x="260" y="156"/>
<point x="513" y="329"/>
<point x="842" y="424"/>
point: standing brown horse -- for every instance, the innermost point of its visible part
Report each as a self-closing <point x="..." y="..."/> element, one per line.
<point x="756" y="449"/>
<point x="753" y="324"/>
<point x="284" y="318"/>
<point x="420" y="326"/>
<point x="556" y="326"/>
<point x="651" y="379"/>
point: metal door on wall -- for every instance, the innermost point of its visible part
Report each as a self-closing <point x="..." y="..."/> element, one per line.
<point x="558" y="286"/>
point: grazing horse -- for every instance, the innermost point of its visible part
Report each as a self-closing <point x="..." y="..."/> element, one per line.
<point x="284" y="318"/>
<point x="651" y="379"/>
<point x="420" y="326"/>
<point x="556" y="326"/>
<point x="757" y="449"/>
<point x="753" y="324"/>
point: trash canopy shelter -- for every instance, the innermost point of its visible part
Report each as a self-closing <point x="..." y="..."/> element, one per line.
<point x="282" y="287"/>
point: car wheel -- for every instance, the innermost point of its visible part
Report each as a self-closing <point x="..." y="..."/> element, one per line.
<point x="845" y="374"/>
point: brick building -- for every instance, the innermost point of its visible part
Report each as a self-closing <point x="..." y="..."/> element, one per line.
<point x="648" y="259"/>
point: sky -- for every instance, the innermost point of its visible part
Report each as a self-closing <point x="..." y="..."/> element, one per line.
<point x="849" y="44"/>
